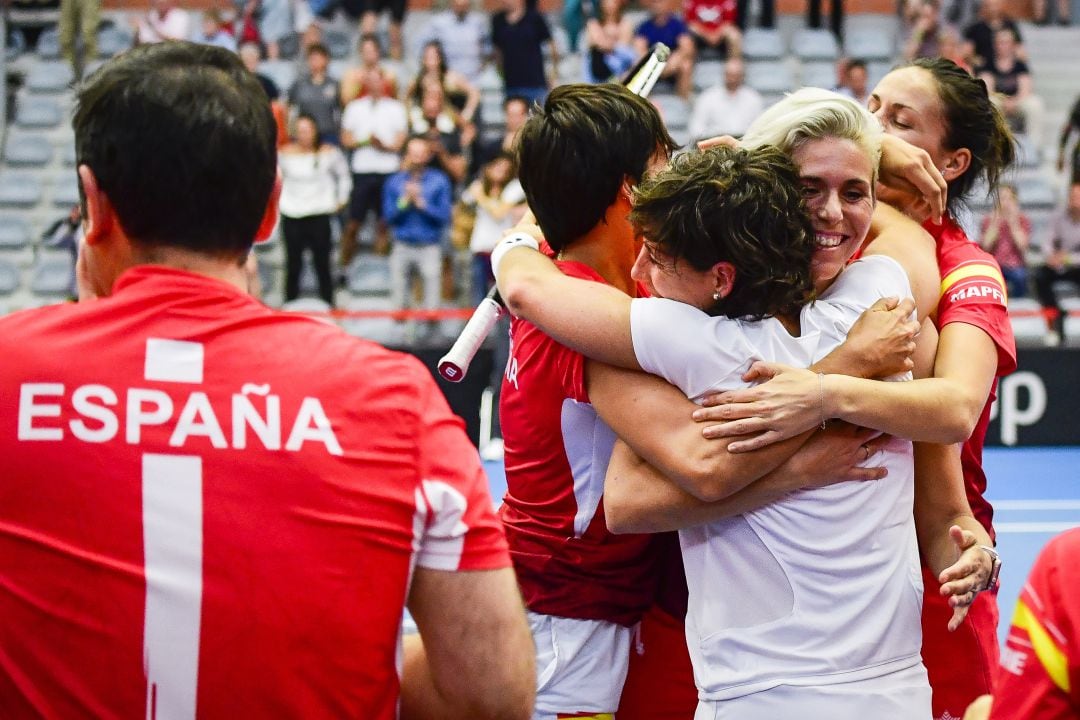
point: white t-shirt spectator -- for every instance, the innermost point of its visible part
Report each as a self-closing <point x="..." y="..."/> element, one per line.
<point x="720" y="112"/>
<point x="313" y="183"/>
<point x="172" y="24"/>
<point x="488" y="231"/>
<point x="384" y="118"/>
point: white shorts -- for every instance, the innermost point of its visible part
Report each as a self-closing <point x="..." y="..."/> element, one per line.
<point x="902" y="695"/>
<point x="580" y="665"/>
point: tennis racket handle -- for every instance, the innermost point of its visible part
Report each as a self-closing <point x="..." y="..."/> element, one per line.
<point x="455" y="363"/>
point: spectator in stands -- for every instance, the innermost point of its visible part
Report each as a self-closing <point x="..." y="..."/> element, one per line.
<point x="450" y="137"/>
<point x="79" y="17"/>
<point x="951" y="46"/>
<point x="713" y="27"/>
<point x="315" y="185"/>
<point x="1040" y="10"/>
<point x="925" y="30"/>
<point x="518" y="35"/>
<point x="64" y="234"/>
<point x="465" y="36"/>
<point x="460" y="93"/>
<point x="1012" y="89"/>
<point x="416" y="206"/>
<point x="979" y="36"/>
<point x="369" y="21"/>
<point x="855" y="81"/>
<point x="767" y="17"/>
<point x="1071" y="123"/>
<point x="250" y="56"/>
<point x="836" y="17"/>
<point x="374" y="128"/>
<point x="1061" y="261"/>
<point x="163" y="21"/>
<point x="665" y="26"/>
<point x="499" y="202"/>
<point x="726" y="109"/>
<point x="1006" y="234"/>
<point x="371" y="58"/>
<point x="609" y="38"/>
<point x="275" y="22"/>
<point x="516" y="110"/>
<point x="316" y="94"/>
<point x="213" y="31"/>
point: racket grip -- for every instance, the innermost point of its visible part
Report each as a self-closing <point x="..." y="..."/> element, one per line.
<point x="455" y="363"/>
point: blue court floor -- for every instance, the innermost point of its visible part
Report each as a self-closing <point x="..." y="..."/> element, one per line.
<point x="1035" y="493"/>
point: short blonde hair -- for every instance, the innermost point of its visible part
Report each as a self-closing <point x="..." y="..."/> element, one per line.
<point x="813" y="114"/>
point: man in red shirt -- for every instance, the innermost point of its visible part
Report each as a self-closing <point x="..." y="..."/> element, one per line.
<point x="210" y="509"/>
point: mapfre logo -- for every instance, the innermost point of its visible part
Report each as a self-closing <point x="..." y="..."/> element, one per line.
<point x="979" y="289"/>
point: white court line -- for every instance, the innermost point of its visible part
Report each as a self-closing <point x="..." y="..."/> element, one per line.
<point x="1034" y="527"/>
<point x="1036" y="505"/>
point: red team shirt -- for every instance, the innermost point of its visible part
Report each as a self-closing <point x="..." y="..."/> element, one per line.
<point x="1039" y="677"/>
<point x="557" y="452"/>
<point x="189" y="525"/>
<point x="972" y="292"/>
<point x="712" y="14"/>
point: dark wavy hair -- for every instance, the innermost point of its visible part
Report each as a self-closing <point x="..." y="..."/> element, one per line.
<point x="739" y="206"/>
<point x="972" y="121"/>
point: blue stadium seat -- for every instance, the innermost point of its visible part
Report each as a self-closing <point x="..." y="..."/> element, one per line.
<point x="52" y="276"/>
<point x="370" y="276"/>
<point x="763" y="44"/>
<point x="113" y="41"/>
<point x="870" y="44"/>
<point x="1036" y="193"/>
<point x="27" y="150"/>
<point x="49" y="77"/>
<point x="770" y="78"/>
<point x="306" y="304"/>
<point x="282" y="72"/>
<point x="1028" y="154"/>
<point x="14" y="233"/>
<point x="37" y="112"/>
<point x="819" y="75"/>
<point x="674" y="110"/>
<point x="9" y="277"/>
<point x="65" y="191"/>
<point x="19" y="190"/>
<point x="1026" y="319"/>
<point x="708" y="73"/>
<point x="67" y="153"/>
<point x="48" y="44"/>
<point x="811" y="44"/>
<point x="337" y="42"/>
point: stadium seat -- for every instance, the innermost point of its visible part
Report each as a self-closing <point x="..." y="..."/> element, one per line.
<point x="875" y="71"/>
<point x="306" y="304"/>
<point x="9" y="277"/>
<point x="369" y="276"/>
<point x="763" y="44"/>
<point x="282" y="72"/>
<point x="67" y="153"/>
<point x="870" y="44"/>
<point x="708" y="73"/>
<point x="49" y="77"/>
<point x="1025" y="315"/>
<point x="489" y="81"/>
<point x="19" y="190"/>
<point x="1036" y="193"/>
<point x="14" y="233"/>
<point x="770" y="78"/>
<point x="113" y="41"/>
<point x="27" y="150"/>
<point x="289" y="46"/>
<point x="810" y="44"/>
<point x="1071" y="307"/>
<point x="65" y="190"/>
<point x="819" y="75"/>
<point x="48" y="44"/>
<point x="1028" y="154"/>
<point x="383" y="330"/>
<point x="337" y="42"/>
<point x="37" y="112"/>
<point x="52" y="276"/>
<point x="674" y="110"/>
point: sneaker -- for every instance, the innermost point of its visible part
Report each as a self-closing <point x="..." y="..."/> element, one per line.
<point x="493" y="451"/>
<point x="1052" y="338"/>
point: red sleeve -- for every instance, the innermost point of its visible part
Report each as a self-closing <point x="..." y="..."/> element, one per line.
<point x="459" y="528"/>
<point x="1040" y="668"/>
<point x="974" y="293"/>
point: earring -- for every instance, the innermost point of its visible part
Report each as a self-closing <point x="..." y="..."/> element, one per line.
<point x="716" y="295"/>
